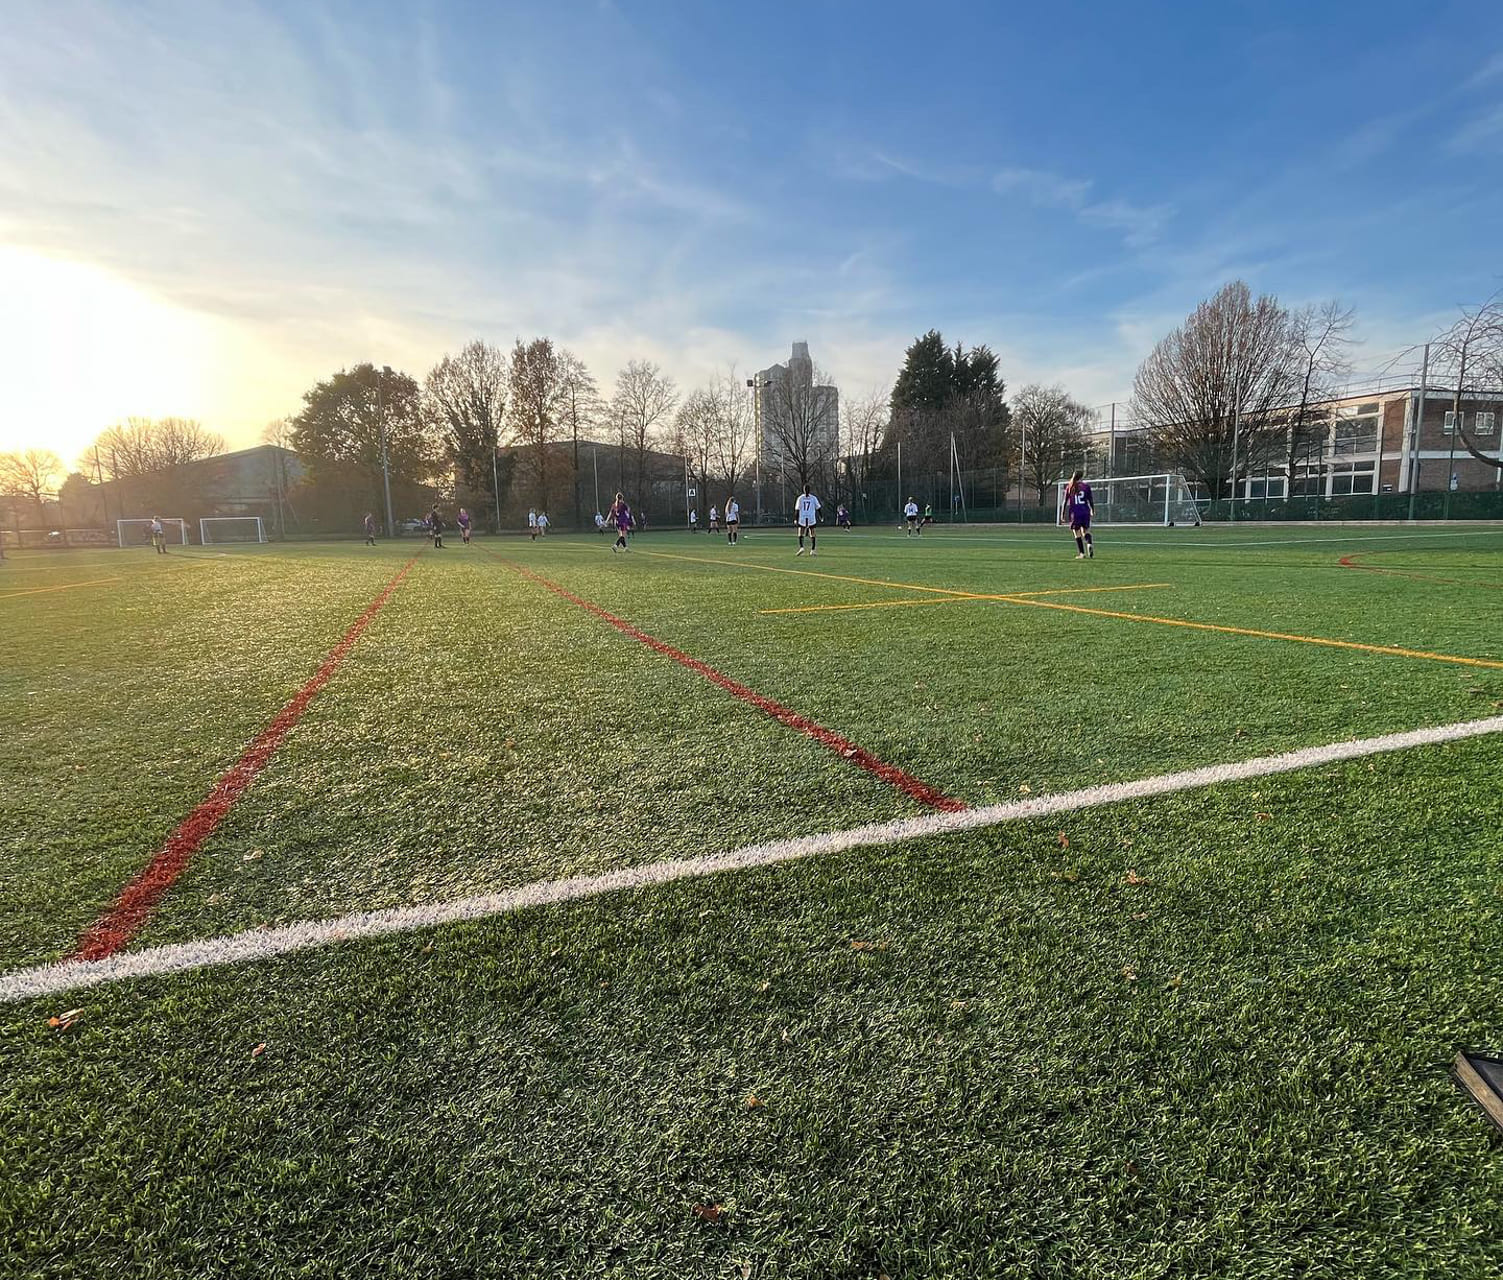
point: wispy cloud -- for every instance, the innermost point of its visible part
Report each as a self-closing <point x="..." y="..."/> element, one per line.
<point x="1140" y="225"/>
<point x="1482" y="132"/>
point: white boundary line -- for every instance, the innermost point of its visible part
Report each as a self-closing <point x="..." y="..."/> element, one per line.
<point x="262" y="944"/>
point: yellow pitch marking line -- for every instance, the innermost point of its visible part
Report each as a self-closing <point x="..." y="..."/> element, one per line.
<point x="811" y="573"/>
<point x="960" y="598"/>
<point x="67" y="586"/>
<point x="1390" y="650"/>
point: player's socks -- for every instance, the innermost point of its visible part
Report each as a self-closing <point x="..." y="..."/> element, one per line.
<point x="1090" y="546"/>
<point x="1080" y="544"/>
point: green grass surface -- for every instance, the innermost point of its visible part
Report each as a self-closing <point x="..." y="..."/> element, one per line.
<point x="1029" y="1067"/>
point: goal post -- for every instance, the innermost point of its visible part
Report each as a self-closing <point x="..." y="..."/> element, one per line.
<point x="215" y="531"/>
<point x="1163" y="499"/>
<point x="137" y="532"/>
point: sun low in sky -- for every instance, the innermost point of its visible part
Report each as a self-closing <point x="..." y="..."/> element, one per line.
<point x="207" y="207"/>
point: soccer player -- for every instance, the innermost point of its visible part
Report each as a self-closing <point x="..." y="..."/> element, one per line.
<point x="370" y="529"/>
<point x="807" y="518"/>
<point x="732" y="520"/>
<point x="714" y="520"/>
<point x="158" y="535"/>
<point x="620" y="517"/>
<point x="1079" y="508"/>
<point x="463" y="520"/>
<point x="542" y="524"/>
<point x="693" y="520"/>
<point x="910" y="514"/>
<point x="842" y="517"/>
<point x="928" y="516"/>
<point x="436" y="527"/>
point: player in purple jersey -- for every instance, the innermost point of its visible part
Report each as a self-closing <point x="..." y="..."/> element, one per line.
<point x="620" y="516"/>
<point x="370" y="529"/>
<point x="1079" y="508"/>
<point x="463" y="520"/>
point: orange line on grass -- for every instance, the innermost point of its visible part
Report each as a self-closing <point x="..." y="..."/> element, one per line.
<point x="1391" y="650"/>
<point x="963" y="598"/>
<point x="67" y="586"/>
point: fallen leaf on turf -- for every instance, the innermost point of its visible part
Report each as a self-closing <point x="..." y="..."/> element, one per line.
<point x="1132" y="877"/>
<point x="709" y="1212"/>
<point x="1024" y="788"/>
<point x="70" y="1015"/>
<point x="957" y="1004"/>
<point x="1129" y="973"/>
<point x="858" y="944"/>
<point x="1071" y="876"/>
<point x="1140" y="915"/>
<point x="1064" y="840"/>
<point x="753" y="1102"/>
<point x="259" y="1050"/>
<point x="1176" y="982"/>
<point x="1264" y="817"/>
<point x="765" y="986"/>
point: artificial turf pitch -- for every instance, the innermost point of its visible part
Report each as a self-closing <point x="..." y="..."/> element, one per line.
<point x="1201" y="1034"/>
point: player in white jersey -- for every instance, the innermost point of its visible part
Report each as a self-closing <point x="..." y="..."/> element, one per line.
<point x="693" y="520"/>
<point x="732" y="521"/>
<point x="542" y="524"/>
<point x="911" y="515"/>
<point x="532" y="524"/>
<point x="807" y="519"/>
<point x="714" y="520"/>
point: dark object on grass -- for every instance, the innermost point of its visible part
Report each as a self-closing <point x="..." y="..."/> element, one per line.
<point x="1481" y="1077"/>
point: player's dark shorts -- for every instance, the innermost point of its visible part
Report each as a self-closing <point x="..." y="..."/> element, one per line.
<point x="1080" y="522"/>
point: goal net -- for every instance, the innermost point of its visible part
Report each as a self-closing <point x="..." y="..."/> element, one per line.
<point x="215" y="530"/>
<point x="1159" y="499"/>
<point x="137" y="533"/>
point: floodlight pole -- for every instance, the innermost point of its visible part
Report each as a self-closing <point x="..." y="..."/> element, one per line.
<point x="1418" y="437"/>
<point x="1236" y="433"/>
<point x="385" y="465"/>
<point x="496" y="483"/>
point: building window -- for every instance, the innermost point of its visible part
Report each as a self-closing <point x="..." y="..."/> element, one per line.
<point x="1482" y="423"/>
<point x="1352" y="477"/>
<point x="1451" y="420"/>
<point x="1356" y="435"/>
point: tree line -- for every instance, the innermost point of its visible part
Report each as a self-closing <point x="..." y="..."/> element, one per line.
<point x="1237" y="389"/>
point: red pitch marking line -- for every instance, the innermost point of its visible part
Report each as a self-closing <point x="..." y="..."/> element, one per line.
<point x="139" y="898"/>
<point x="310" y="935"/>
<point x="841" y="746"/>
<point x="1350" y="562"/>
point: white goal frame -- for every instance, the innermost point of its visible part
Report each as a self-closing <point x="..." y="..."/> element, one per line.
<point x="205" y="523"/>
<point x="1163" y="498"/>
<point x="144" y="525"/>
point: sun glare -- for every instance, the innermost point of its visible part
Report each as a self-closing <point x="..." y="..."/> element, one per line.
<point x="81" y="348"/>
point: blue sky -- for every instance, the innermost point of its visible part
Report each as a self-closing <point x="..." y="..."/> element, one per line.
<point x="204" y="207"/>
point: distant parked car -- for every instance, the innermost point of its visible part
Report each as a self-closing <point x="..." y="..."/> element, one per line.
<point x="414" y="526"/>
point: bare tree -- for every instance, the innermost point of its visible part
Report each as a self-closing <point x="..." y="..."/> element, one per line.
<point x="1052" y="430"/>
<point x="1322" y="341"/>
<point x="1469" y="355"/>
<point x="140" y="446"/>
<point x="465" y="399"/>
<point x="536" y="392"/>
<point x="32" y="475"/>
<point x="579" y="407"/>
<point x="1209" y="390"/>
<point x="735" y="428"/>
<point x="644" y="398"/>
<point x="696" y="427"/>
<point x="278" y="434"/>
<point x="802" y="416"/>
<point x="863" y="423"/>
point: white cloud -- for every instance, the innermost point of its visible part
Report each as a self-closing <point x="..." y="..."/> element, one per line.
<point x="1140" y="224"/>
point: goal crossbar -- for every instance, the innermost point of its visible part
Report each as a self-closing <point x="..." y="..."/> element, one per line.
<point x="1163" y="498"/>
<point x="136" y="531"/>
<point x="217" y="530"/>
